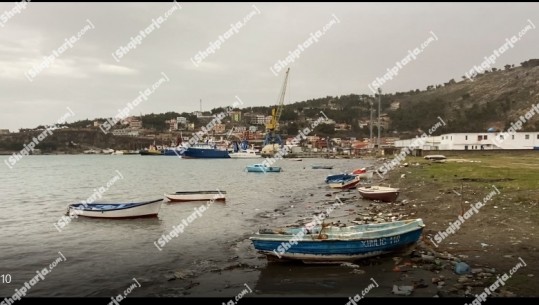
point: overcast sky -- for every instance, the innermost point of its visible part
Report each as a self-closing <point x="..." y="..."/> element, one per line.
<point x="364" y="40"/>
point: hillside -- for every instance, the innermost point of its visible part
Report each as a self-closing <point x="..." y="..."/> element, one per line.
<point x="494" y="99"/>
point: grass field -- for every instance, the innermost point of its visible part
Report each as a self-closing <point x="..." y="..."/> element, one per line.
<point x="509" y="222"/>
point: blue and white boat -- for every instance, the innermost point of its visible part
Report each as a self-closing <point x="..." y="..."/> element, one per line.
<point x="262" y="168"/>
<point x="116" y="210"/>
<point x="335" y="244"/>
<point x="205" y="151"/>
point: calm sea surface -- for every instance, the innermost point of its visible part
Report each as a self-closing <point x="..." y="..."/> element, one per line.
<point x="103" y="256"/>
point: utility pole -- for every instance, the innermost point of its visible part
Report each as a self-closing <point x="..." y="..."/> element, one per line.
<point x="379" y="102"/>
<point x="370" y="122"/>
<point x="201" y="106"/>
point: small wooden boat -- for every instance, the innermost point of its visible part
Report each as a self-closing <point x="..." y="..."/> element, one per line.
<point x="318" y="166"/>
<point x="262" y="168"/>
<point x="116" y="210"/>
<point x="345" y="184"/>
<point x="382" y="193"/>
<point x="296" y="159"/>
<point x="363" y="173"/>
<point x="197" y="196"/>
<point x="328" y="244"/>
<point x="435" y="157"/>
<point x="339" y="178"/>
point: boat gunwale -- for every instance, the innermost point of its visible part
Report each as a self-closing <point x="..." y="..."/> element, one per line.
<point x="286" y="237"/>
<point x="133" y="205"/>
<point x="198" y="192"/>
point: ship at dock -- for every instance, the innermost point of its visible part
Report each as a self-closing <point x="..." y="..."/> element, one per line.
<point x="205" y="151"/>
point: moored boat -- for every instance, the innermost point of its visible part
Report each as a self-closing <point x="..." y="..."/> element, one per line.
<point x="197" y="196"/>
<point x="381" y="193"/>
<point x="173" y="151"/>
<point x="337" y="244"/>
<point x="245" y="154"/>
<point x="205" y="151"/>
<point x="318" y="166"/>
<point x="262" y="168"/>
<point x="116" y="210"/>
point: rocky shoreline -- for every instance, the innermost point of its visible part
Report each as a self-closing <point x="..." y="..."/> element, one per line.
<point x="422" y="271"/>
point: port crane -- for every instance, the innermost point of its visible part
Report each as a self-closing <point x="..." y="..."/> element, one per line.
<point x="272" y="140"/>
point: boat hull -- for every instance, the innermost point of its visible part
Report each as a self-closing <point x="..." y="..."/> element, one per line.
<point x="345" y="185"/>
<point x="336" y="250"/>
<point x="146" y="210"/>
<point x="339" y="178"/>
<point x="321" y="167"/>
<point x="367" y="175"/>
<point x="206" y="153"/>
<point x="271" y="169"/>
<point x="150" y="153"/>
<point x="173" y="152"/>
<point x="389" y="196"/>
<point x="194" y="196"/>
<point x="244" y="156"/>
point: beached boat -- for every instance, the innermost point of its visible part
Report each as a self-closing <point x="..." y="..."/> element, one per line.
<point x="317" y="166"/>
<point x="296" y="159"/>
<point x="197" y="196"/>
<point x="116" y="210"/>
<point x="345" y="184"/>
<point x="339" y="178"/>
<point x="262" y="168"/>
<point x="382" y="193"/>
<point x="435" y="157"/>
<point x="363" y="173"/>
<point x="328" y="244"/>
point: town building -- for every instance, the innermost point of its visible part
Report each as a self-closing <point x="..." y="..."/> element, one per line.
<point x="126" y="132"/>
<point x="342" y="127"/>
<point x="135" y="123"/>
<point x="477" y="141"/>
<point x="219" y="128"/>
<point x="258" y="119"/>
<point x="235" y="116"/>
